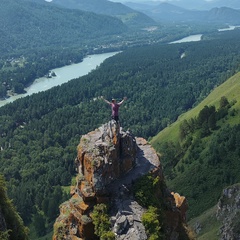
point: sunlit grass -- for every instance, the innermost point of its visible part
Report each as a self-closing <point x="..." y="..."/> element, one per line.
<point x="230" y="89"/>
<point x="208" y="223"/>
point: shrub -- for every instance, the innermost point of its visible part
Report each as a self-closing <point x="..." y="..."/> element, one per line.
<point x="151" y="223"/>
<point x="101" y="222"/>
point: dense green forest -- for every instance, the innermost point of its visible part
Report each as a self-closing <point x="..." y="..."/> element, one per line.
<point x="40" y="133"/>
<point x="28" y="25"/>
<point x="200" y="151"/>
<point x="56" y="37"/>
<point x="12" y="227"/>
<point x="38" y="37"/>
<point x="128" y="16"/>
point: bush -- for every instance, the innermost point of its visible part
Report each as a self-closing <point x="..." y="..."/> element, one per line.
<point x="145" y="190"/>
<point x="151" y="223"/>
<point x="101" y="222"/>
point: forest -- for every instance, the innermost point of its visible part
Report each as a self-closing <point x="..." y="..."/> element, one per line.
<point x="200" y="156"/>
<point x="12" y="226"/>
<point x="29" y="51"/>
<point x="55" y="37"/>
<point x="40" y="133"/>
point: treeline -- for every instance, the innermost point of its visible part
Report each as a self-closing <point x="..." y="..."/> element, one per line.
<point x="40" y="133"/>
<point x="207" y="158"/>
<point x="206" y="120"/>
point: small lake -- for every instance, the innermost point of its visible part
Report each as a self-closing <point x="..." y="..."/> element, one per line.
<point x="63" y="75"/>
<point x="191" y="38"/>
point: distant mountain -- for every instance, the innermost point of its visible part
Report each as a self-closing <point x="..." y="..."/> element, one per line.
<point x="193" y="5"/>
<point x="228" y="15"/>
<point x="206" y="5"/>
<point x="166" y="12"/>
<point x="125" y="14"/>
<point x="29" y="24"/>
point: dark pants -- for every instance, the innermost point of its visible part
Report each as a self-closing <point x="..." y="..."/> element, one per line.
<point x="115" y="118"/>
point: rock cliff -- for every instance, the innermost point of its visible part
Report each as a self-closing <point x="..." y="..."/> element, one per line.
<point x="109" y="161"/>
<point x="229" y="213"/>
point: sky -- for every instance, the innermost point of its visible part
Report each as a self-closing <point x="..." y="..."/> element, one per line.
<point x="149" y="0"/>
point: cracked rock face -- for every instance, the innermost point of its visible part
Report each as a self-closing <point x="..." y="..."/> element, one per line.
<point x="104" y="155"/>
<point x="108" y="162"/>
<point x="229" y="213"/>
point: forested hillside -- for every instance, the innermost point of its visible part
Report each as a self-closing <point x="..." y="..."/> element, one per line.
<point x="29" y="25"/>
<point x="200" y="152"/>
<point x="38" y="37"/>
<point x="130" y="17"/>
<point x="11" y="224"/>
<point x="39" y="134"/>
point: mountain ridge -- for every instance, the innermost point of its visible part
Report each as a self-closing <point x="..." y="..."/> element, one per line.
<point x="168" y="12"/>
<point x="43" y="21"/>
<point x="197" y="4"/>
<point x="127" y="15"/>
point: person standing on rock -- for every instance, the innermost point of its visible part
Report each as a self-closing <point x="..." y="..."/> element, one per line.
<point x="115" y="106"/>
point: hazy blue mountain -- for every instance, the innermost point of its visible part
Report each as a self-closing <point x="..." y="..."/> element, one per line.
<point x="127" y="15"/>
<point x="206" y="5"/>
<point x="197" y="4"/>
<point x="166" y="12"/>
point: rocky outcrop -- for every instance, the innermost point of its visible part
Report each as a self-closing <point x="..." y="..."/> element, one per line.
<point x="229" y="213"/>
<point x="108" y="163"/>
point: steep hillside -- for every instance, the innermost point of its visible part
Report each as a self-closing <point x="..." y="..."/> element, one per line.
<point x="30" y="25"/>
<point x="200" y="151"/>
<point x="221" y="221"/>
<point x="11" y="224"/>
<point x="127" y="15"/>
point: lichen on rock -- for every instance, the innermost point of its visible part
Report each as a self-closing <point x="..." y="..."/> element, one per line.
<point x="109" y="161"/>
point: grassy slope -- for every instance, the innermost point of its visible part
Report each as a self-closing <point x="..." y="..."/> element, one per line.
<point x="208" y="224"/>
<point x="229" y="89"/>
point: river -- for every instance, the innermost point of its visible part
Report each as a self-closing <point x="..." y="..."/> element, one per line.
<point x="191" y="38"/>
<point x="64" y="74"/>
<point x="229" y="28"/>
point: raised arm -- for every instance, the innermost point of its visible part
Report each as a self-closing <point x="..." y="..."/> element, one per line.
<point x="105" y="100"/>
<point x="124" y="99"/>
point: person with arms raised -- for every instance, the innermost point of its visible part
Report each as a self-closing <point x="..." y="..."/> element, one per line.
<point x="115" y="107"/>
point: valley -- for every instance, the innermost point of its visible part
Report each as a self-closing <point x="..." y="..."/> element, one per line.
<point x="63" y="75"/>
<point x="171" y="90"/>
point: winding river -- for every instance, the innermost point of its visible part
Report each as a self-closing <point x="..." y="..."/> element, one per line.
<point x="67" y="73"/>
<point x="89" y="63"/>
<point x="63" y="75"/>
